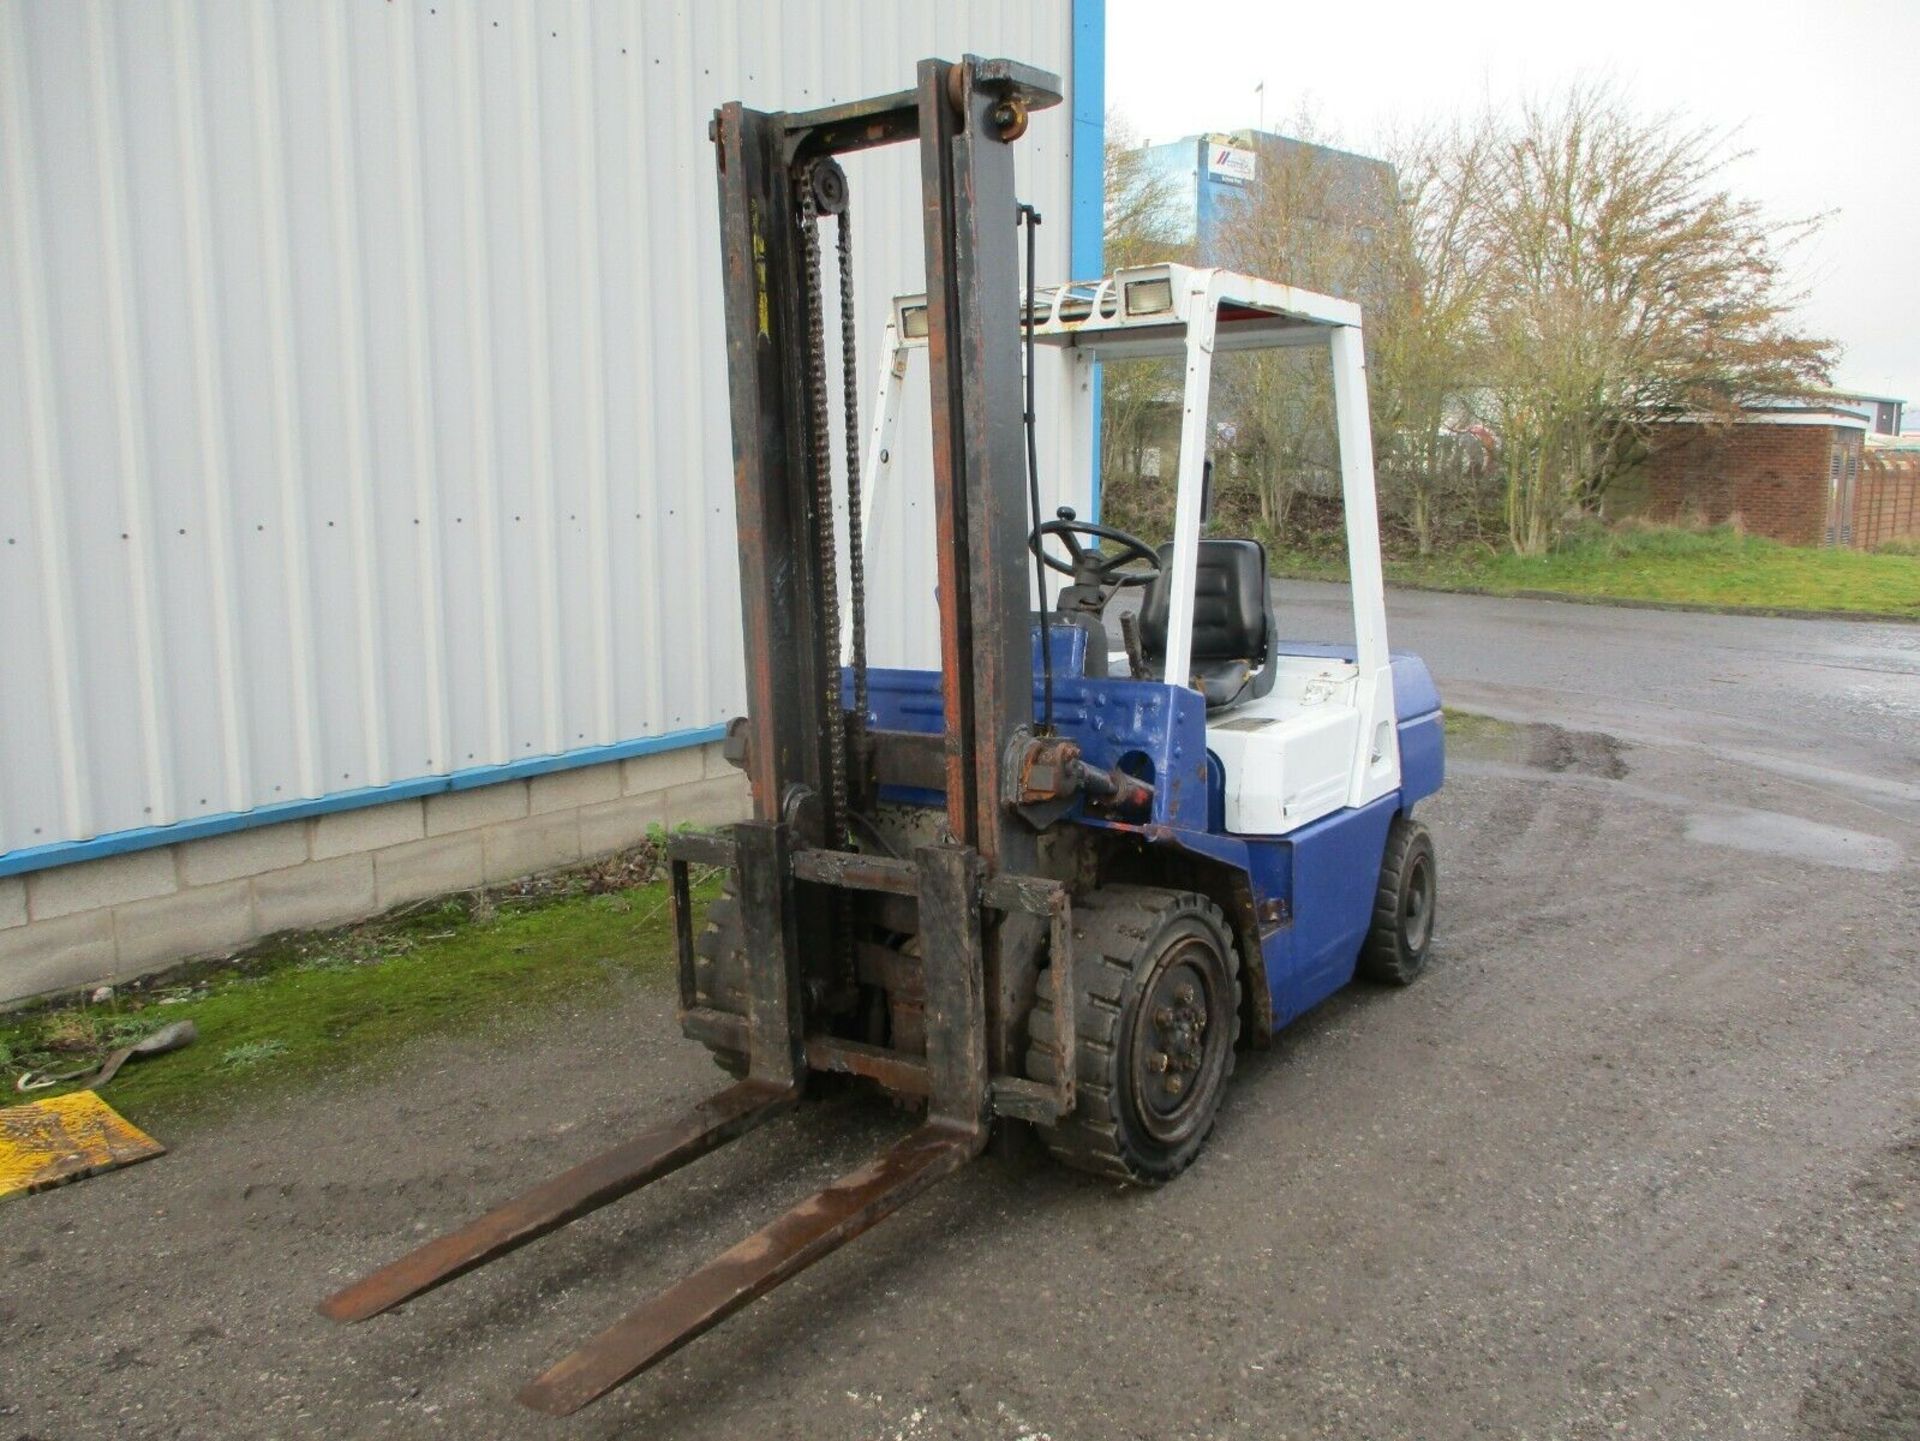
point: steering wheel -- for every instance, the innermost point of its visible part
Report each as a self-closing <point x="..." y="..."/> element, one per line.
<point x="1094" y="566"/>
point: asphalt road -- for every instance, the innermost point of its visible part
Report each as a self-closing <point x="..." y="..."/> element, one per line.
<point x="1827" y="701"/>
<point x="1640" y="1155"/>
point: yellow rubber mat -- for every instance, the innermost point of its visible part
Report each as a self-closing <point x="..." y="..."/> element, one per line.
<point x="47" y="1143"/>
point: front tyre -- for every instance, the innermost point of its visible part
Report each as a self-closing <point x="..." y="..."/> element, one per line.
<point x="1158" y="1016"/>
<point x="1396" y="948"/>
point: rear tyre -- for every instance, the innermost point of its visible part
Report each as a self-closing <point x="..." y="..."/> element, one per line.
<point x="1158" y="1017"/>
<point x="1396" y="948"/>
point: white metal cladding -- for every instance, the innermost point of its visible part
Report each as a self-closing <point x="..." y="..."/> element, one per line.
<point x="362" y="384"/>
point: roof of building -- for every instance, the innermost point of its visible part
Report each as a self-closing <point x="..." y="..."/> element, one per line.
<point x="1774" y="413"/>
<point x="1857" y="395"/>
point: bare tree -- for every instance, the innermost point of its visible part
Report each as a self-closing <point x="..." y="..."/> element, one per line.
<point x="1538" y="290"/>
<point x="1144" y="223"/>
<point x="1421" y="340"/>
<point x="1622" y="282"/>
<point x="1317" y="219"/>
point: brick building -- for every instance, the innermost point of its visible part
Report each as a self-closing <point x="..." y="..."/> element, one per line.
<point x="1789" y="472"/>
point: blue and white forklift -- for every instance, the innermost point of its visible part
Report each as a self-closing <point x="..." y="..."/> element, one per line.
<point x="1271" y="853"/>
<point x="1051" y="884"/>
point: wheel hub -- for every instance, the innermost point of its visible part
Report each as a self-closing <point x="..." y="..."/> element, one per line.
<point x="1417" y="908"/>
<point x="1172" y="1046"/>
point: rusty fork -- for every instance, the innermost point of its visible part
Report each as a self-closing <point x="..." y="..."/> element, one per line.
<point x="567" y="1197"/>
<point x="706" y="1297"/>
<point x="948" y="883"/>
<point x="775" y="1253"/>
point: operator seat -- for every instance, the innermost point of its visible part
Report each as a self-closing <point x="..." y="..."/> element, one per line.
<point x="1233" y="624"/>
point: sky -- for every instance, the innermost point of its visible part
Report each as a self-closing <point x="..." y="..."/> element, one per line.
<point x="1824" y="97"/>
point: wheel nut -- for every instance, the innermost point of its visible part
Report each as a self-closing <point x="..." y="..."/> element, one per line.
<point x="1184" y="995"/>
<point x="1175" y="1085"/>
<point x="1163" y="1017"/>
<point x="1157" y="1061"/>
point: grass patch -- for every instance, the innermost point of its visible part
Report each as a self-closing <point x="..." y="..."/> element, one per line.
<point x="1714" y="566"/>
<point x="1300" y="563"/>
<point x="1481" y="735"/>
<point x="313" y="1004"/>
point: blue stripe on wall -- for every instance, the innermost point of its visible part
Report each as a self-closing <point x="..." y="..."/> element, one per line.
<point x="37" y="858"/>
<point x="1087" y="218"/>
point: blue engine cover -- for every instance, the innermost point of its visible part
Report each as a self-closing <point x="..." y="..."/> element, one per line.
<point x="1319" y="880"/>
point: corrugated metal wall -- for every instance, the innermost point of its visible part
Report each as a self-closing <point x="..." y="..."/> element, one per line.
<point x="362" y="383"/>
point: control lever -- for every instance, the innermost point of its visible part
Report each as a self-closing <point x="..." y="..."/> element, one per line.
<point x="1130" y="637"/>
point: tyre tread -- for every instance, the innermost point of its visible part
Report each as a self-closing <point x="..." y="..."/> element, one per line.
<point x="1112" y="927"/>
<point x="1382" y="958"/>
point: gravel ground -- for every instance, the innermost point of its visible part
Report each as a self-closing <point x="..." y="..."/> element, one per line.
<point x="1639" y="1156"/>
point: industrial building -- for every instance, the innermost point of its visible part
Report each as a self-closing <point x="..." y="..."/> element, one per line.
<point x="366" y="514"/>
<point x="1208" y="179"/>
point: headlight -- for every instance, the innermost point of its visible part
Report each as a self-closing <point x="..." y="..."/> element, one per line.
<point x="1149" y="297"/>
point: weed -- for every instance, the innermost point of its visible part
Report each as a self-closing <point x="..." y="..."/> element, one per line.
<point x="362" y="946"/>
<point x="1465" y="730"/>
<point x="123" y="1030"/>
<point x="69" y="1032"/>
<point x="251" y="1053"/>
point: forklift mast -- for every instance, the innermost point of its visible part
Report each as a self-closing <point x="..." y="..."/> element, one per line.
<point x="804" y="892"/>
<point x="801" y="762"/>
<point x="965" y="117"/>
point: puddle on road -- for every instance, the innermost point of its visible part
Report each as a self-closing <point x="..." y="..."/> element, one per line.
<point x="1769" y="833"/>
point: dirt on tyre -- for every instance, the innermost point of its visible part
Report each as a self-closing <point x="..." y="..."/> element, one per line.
<point x="1158" y="984"/>
<point x="1401" y="932"/>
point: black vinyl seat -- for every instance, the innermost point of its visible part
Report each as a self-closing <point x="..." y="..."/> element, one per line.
<point x="1233" y="625"/>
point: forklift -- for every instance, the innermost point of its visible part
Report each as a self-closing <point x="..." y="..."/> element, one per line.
<point x="1053" y="884"/>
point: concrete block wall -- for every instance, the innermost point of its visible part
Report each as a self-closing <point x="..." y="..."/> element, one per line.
<point x="112" y="919"/>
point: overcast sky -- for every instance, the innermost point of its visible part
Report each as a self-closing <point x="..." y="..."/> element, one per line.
<point x="1825" y="95"/>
